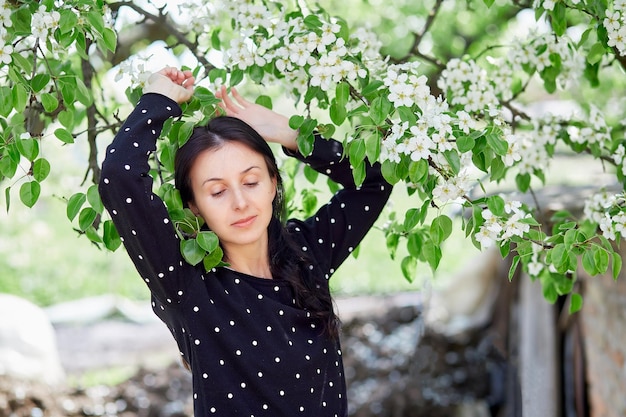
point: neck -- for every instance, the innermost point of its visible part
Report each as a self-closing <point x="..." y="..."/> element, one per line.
<point x="252" y="261"/>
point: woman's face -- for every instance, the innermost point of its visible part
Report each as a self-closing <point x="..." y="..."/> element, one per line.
<point x="233" y="192"/>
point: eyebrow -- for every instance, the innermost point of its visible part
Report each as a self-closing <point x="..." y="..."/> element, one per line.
<point x="242" y="172"/>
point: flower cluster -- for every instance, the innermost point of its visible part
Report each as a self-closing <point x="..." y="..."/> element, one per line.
<point x="468" y="86"/>
<point x="135" y="70"/>
<point x="615" y="25"/>
<point x="609" y="212"/>
<point x="5" y="21"/>
<point x="43" y="21"/>
<point x="300" y="53"/>
<point x="540" y="51"/>
<point x="501" y="228"/>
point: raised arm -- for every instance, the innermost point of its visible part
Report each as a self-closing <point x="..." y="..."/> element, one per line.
<point x="272" y="126"/>
<point x="339" y="226"/>
<point x="126" y="186"/>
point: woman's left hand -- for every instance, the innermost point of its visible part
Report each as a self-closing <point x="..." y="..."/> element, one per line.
<point x="273" y="127"/>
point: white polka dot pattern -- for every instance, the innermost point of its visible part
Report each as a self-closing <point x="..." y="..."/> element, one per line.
<point x="253" y="352"/>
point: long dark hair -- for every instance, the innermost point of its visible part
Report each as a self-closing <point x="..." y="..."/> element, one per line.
<point x="287" y="261"/>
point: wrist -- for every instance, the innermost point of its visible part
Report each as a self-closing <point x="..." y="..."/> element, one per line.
<point x="288" y="138"/>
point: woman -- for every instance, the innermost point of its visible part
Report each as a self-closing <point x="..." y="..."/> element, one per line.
<point x="260" y="335"/>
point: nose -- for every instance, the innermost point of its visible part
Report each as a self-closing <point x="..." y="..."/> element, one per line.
<point x="239" y="199"/>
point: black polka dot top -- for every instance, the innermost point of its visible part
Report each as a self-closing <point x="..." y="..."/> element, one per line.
<point x="252" y="352"/>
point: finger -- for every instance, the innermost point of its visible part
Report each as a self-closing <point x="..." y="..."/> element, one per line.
<point x="224" y="109"/>
<point x="228" y="103"/>
<point x="243" y="102"/>
<point x="189" y="83"/>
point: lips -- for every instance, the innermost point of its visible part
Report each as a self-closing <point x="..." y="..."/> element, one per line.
<point x="247" y="221"/>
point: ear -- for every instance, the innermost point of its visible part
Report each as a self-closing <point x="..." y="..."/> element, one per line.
<point x="193" y="208"/>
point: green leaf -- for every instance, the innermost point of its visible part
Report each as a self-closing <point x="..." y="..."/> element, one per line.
<point x="185" y="132"/>
<point x="49" y="102"/>
<point x="110" y="236"/>
<point x="74" y="205"/>
<point x="310" y="174"/>
<point x="414" y="245"/>
<point x="388" y="170"/>
<point x="465" y="143"/>
<point x="309" y="202"/>
<point x="453" y="160"/>
<point x="305" y="143"/>
<point x="575" y="303"/>
<point x="110" y="39"/>
<point x="411" y="219"/>
<point x="312" y="22"/>
<point x="409" y="268"/>
<point x="499" y="145"/>
<point x="327" y="130"/>
<point x="236" y="77"/>
<point x="29" y="193"/>
<point x="86" y="218"/>
<point x="371" y="88"/>
<point x="523" y="182"/>
<point x="215" y="40"/>
<point x="82" y="93"/>
<point x="191" y="251"/>
<point x="372" y="146"/>
<point x="93" y="197"/>
<point x="589" y="264"/>
<point x="432" y="253"/>
<point x="39" y="82"/>
<point x="392" y="241"/>
<point x="342" y="94"/>
<point x="20" y="97"/>
<point x="418" y="171"/>
<point x="6" y="101"/>
<point x="356" y="151"/>
<point x="213" y="259"/>
<point x="8" y="166"/>
<point x="207" y="241"/>
<point x="358" y="172"/>
<point x="559" y="20"/>
<point x="92" y="235"/>
<point x="617" y="264"/>
<point x="265" y="101"/>
<point x="380" y="109"/>
<point x="596" y="53"/>
<point x="337" y="112"/>
<point x="26" y="65"/>
<point x="66" y="118"/>
<point x="513" y="267"/>
<point x="21" y="21"/>
<point x="488" y="3"/>
<point x="601" y="259"/>
<point x="28" y="148"/>
<point x="7" y="197"/>
<point x="96" y="20"/>
<point x="550" y="293"/>
<point x="67" y="21"/>
<point x="40" y="169"/>
<point x="64" y="135"/>
<point x="495" y="203"/>
<point x="440" y="229"/>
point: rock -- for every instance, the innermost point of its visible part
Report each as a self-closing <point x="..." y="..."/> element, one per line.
<point x="467" y="299"/>
<point x="28" y="348"/>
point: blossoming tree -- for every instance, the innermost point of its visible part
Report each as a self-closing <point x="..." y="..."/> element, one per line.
<point x="438" y="92"/>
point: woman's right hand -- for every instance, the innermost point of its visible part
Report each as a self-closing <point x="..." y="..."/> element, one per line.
<point x="172" y="83"/>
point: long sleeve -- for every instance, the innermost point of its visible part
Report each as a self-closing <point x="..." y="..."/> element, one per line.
<point x="140" y="216"/>
<point x="339" y="226"/>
